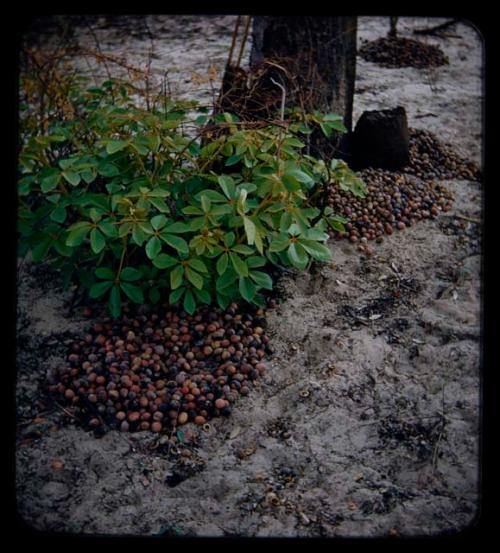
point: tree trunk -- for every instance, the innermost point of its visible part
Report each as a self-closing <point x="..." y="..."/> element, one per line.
<point x="323" y="53"/>
<point x="393" y="30"/>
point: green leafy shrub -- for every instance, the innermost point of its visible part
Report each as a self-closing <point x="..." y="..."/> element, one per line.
<point x="156" y="204"/>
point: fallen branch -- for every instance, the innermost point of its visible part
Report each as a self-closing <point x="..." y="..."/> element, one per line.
<point x="437" y="28"/>
<point x="283" y="98"/>
<point x="65" y="411"/>
<point x="464" y="217"/>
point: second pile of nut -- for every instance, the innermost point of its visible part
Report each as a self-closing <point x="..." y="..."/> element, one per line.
<point x="398" y="199"/>
<point x="402" y="52"/>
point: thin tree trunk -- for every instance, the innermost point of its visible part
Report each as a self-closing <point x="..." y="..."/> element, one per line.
<point x="393" y="30"/>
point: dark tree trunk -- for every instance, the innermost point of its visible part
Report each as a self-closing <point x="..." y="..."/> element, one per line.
<point x="393" y="30"/>
<point x="323" y="50"/>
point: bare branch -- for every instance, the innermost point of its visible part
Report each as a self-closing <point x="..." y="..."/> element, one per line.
<point x="283" y="98"/>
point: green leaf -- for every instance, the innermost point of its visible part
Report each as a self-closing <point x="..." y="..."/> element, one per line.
<point x="230" y="118"/>
<point x="262" y="279"/>
<point x="153" y="247"/>
<point x="51" y="181"/>
<point x="124" y="229"/>
<point x="247" y="288"/>
<point x="201" y="119"/>
<point x="219" y="210"/>
<point x="175" y="242"/>
<point x="233" y="160"/>
<point x="177" y="228"/>
<point x="285" y="221"/>
<point x="239" y="265"/>
<point x="62" y="249"/>
<point x="163" y="261"/>
<point x="72" y="177"/>
<point x="141" y="143"/>
<point x="227" y="149"/>
<point x="241" y="248"/>
<point x="249" y="230"/>
<point x="116" y="145"/>
<point x="141" y="149"/>
<point x="197" y="223"/>
<point x="229" y="239"/>
<point x="88" y="175"/>
<point x="189" y="302"/>
<point x="133" y="292"/>
<point x="195" y="278"/>
<point x="248" y="162"/>
<point x="255" y="261"/>
<point x="227" y="184"/>
<point x="104" y="273"/>
<point x="222" y="262"/>
<point x="291" y="183"/>
<point x="315" y="234"/>
<point x="107" y="169"/>
<point x="154" y="295"/>
<point x="57" y="138"/>
<point x="100" y="288"/>
<point x="241" y="203"/>
<point x="332" y="117"/>
<point x="198" y="265"/>
<point x="248" y="186"/>
<point x="335" y="224"/>
<point x="158" y="193"/>
<point x="226" y="279"/>
<point x="279" y="243"/>
<point x="159" y="203"/>
<point x="175" y="296"/>
<point x="59" y="214"/>
<point x="192" y="210"/>
<point x="295" y="142"/>
<point x="129" y="273"/>
<point x="197" y="243"/>
<point x="202" y="295"/>
<point x="115" y="303"/>
<point x="318" y="251"/>
<point x="158" y="222"/>
<point x="95" y="214"/>
<point x="297" y="256"/>
<point x="242" y="148"/>
<point x="205" y="203"/>
<point x="176" y="277"/>
<point x="258" y="242"/>
<point x="223" y="301"/>
<point x="296" y="228"/>
<point x="338" y="126"/>
<point x="95" y="90"/>
<point x="66" y="163"/>
<point x="212" y="195"/>
<point x="41" y="249"/>
<point x="108" y="228"/>
<point x="327" y="131"/>
<point x="97" y="240"/>
<point x="301" y="176"/>
<point x="24" y="185"/>
<point x="77" y="234"/>
<point x="139" y="235"/>
<point x="146" y="227"/>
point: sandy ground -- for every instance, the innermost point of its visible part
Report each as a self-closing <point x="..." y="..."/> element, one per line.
<point x="367" y="422"/>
